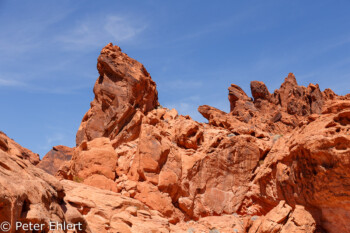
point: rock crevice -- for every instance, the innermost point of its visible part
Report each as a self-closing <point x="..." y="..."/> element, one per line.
<point x="277" y="162"/>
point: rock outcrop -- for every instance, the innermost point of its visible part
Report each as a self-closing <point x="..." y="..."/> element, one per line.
<point x="31" y="196"/>
<point x="28" y="194"/>
<point x="55" y="158"/>
<point x="285" y="219"/>
<point x="279" y="113"/>
<point x="187" y="170"/>
<point x="9" y="146"/>
<point x="310" y="168"/>
<point x="277" y="162"/>
<point x="123" y="92"/>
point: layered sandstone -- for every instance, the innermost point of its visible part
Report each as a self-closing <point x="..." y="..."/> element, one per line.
<point x="55" y="158"/>
<point x="28" y="194"/>
<point x="278" y="113"/>
<point x="9" y="146"/>
<point x="234" y="164"/>
<point x="123" y="92"/>
<point x="31" y="196"/>
<point x="310" y="168"/>
<point x="277" y="162"/>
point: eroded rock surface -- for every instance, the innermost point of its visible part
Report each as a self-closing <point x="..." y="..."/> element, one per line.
<point x="278" y="113"/>
<point x="9" y="146"/>
<point x="123" y="92"/>
<point x="277" y="162"/>
<point x="28" y="194"/>
<point x="249" y="161"/>
<point x="309" y="168"/>
<point x="55" y="158"/>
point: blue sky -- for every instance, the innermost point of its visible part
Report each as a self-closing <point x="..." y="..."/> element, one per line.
<point x="193" y="50"/>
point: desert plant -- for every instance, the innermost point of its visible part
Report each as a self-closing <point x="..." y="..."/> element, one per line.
<point x="78" y="179"/>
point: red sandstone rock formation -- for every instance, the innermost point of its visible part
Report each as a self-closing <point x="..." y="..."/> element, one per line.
<point x="28" y="194"/>
<point x="260" y="159"/>
<point x="278" y="162"/>
<point x="310" y="168"/>
<point x="9" y="146"/>
<point x="123" y="93"/>
<point x="280" y="112"/>
<point x="55" y="158"/>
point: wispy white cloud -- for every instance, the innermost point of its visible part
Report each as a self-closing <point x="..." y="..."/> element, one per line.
<point x="34" y="88"/>
<point x="186" y="108"/>
<point x="55" y="138"/>
<point x="61" y="90"/>
<point x="26" y="34"/>
<point x="51" y="140"/>
<point x="121" y="28"/>
<point x="29" y="39"/>
<point x="181" y="84"/>
<point x="11" y="83"/>
<point x="233" y="22"/>
<point x="102" y="30"/>
<point x="335" y="43"/>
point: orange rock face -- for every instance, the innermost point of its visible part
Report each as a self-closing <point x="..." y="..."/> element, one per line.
<point x="55" y="158"/>
<point x="11" y="147"/>
<point x="309" y="168"/>
<point x="283" y="218"/>
<point x="28" y="194"/>
<point x="281" y="156"/>
<point x="123" y="92"/>
<point x="277" y="113"/>
<point x="277" y="162"/>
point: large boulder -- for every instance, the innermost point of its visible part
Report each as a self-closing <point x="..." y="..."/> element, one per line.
<point x="284" y="219"/>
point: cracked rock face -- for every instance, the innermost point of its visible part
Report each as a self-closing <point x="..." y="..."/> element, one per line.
<point x="123" y="91"/>
<point x="9" y="146"/>
<point x="268" y="149"/>
<point x="55" y="158"/>
<point x="277" y="162"/>
<point x="28" y="194"/>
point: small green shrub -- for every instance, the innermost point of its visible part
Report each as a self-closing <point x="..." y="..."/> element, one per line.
<point x="276" y="137"/>
<point x="78" y="179"/>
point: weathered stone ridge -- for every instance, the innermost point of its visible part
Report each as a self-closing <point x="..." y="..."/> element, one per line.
<point x="123" y="92"/>
<point x="55" y="158"/>
<point x="277" y="162"/>
<point x="9" y="146"/>
<point x="188" y="170"/>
